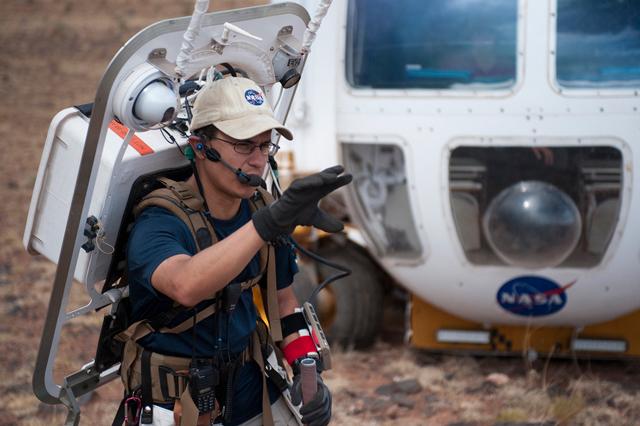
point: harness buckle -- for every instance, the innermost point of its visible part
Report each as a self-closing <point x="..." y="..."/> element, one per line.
<point x="270" y="360"/>
<point x="164" y="372"/>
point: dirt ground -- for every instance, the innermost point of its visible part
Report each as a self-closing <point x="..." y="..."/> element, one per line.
<point x="53" y="55"/>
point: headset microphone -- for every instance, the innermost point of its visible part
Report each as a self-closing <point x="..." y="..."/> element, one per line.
<point x="244" y="178"/>
<point x="251" y="180"/>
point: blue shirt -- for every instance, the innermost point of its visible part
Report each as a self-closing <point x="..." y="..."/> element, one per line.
<point x="158" y="235"/>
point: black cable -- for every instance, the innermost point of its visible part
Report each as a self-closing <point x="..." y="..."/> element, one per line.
<point x="193" y="165"/>
<point x="227" y="348"/>
<point x="176" y="126"/>
<point x="273" y="163"/>
<point x="207" y="214"/>
<point x="170" y="139"/>
<point x="231" y="373"/>
<point x="188" y="88"/>
<point x="230" y="69"/>
<point x="344" y="271"/>
<point x="193" y="336"/>
<point x="187" y="108"/>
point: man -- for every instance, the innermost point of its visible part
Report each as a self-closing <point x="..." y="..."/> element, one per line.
<point x="231" y="139"/>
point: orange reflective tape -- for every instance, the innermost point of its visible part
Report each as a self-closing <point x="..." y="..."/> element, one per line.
<point x="135" y="142"/>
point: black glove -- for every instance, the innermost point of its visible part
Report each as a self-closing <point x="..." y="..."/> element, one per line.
<point x="316" y="412"/>
<point x="299" y="205"/>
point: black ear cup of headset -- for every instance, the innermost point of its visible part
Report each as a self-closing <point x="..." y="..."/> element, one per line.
<point x="211" y="153"/>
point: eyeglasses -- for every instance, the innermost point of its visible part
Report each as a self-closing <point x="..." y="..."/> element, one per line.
<point x="246" y="147"/>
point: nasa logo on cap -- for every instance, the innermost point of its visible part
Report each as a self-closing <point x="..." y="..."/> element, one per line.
<point x="532" y="296"/>
<point x="254" y="97"/>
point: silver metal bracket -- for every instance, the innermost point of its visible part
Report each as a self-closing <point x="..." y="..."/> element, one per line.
<point x="70" y="401"/>
<point x="318" y="336"/>
<point x="158" y="58"/>
<point x="82" y="382"/>
<point x="217" y="46"/>
<point x="288" y="42"/>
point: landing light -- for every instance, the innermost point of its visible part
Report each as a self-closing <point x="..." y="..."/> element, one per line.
<point x="598" y="345"/>
<point x="463" y="336"/>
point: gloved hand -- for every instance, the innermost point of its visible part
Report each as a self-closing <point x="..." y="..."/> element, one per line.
<point x="316" y="412"/>
<point x="299" y="205"/>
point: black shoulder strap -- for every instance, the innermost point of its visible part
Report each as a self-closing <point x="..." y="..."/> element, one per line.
<point x="147" y="399"/>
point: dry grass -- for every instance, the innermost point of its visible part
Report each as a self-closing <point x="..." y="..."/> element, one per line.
<point x="512" y="415"/>
<point x="455" y="389"/>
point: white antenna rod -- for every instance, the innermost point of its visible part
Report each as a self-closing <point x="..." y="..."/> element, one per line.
<point x="314" y="25"/>
<point x="230" y="27"/>
<point x="190" y="35"/>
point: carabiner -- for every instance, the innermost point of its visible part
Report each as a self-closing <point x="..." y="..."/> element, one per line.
<point x="137" y="405"/>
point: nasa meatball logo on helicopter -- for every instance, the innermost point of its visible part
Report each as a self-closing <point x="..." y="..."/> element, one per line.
<point x="531" y="295"/>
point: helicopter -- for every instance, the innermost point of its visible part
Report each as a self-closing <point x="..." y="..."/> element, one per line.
<point x="493" y="147"/>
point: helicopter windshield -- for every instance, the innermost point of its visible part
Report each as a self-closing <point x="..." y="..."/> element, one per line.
<point x="598" y="43"/>
<point x="439" y="44"/>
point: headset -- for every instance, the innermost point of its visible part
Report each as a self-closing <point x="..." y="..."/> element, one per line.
<point x="212" y="154"/>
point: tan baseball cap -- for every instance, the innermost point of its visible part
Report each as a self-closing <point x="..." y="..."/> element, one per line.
<point x="237" y="106"/>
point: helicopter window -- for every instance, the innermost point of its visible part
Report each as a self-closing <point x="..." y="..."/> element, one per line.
<point x="439" y="44"/>
<point x="598" y="43"/>
<point x="381" y="192"/>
